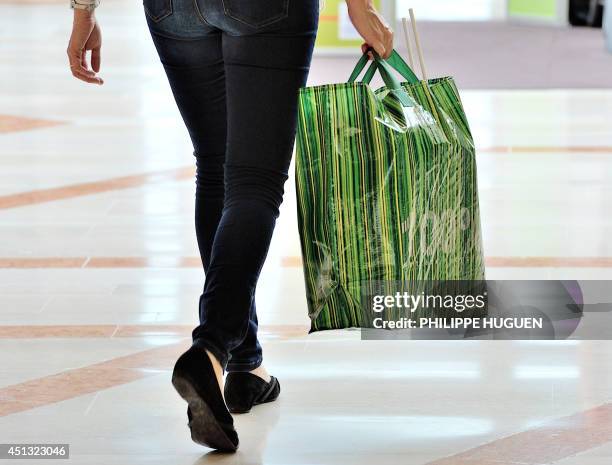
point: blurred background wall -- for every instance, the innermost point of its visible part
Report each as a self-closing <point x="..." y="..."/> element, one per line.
<point x="491" y="44"/>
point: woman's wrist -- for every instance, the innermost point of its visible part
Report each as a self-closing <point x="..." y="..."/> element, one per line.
<point x="360" y="6"/>
<point x="358" y="3"/>
<point x="84" y="15"/>
<point x="84" y="5"/>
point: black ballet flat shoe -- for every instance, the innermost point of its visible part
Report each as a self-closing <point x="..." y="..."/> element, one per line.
<point x="245" y="390"/>
<point x="210" y="422"/>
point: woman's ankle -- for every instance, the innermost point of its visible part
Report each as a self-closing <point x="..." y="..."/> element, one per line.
<point x="217" y="368"/>
<point x="261" y="372"/>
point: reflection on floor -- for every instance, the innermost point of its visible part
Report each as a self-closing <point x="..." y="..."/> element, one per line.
<point x="99" y="281"/>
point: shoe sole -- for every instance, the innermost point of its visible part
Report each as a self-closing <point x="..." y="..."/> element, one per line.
<point x="254" y="405"/>
<point x="205" y="429"/>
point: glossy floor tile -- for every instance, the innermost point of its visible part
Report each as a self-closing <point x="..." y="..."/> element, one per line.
<point x="344" y="401"/>
<point x="99" y="279"/>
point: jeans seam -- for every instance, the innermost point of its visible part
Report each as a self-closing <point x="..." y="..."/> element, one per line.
<point x="163" y="15"/>
<point x="190" y="67"/>
<point x="260" y="24"/>
<point x="183" y="39"/>
<point x="266" y="67"/>
<point x="199" y="13"/>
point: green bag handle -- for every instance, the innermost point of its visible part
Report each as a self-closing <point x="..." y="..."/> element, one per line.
<point x="397" y="63"/>
<point x="385" y="67"/>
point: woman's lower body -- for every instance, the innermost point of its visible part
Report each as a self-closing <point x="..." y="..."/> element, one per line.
<point x="235" y="68"/>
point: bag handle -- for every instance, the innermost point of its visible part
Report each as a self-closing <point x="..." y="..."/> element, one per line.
<point x="398" y="64"/>
<point x="386" y="72"/>
<point x="385" y="68"/>
<point x="395" y="61"/>
<point x="361" y="64"/>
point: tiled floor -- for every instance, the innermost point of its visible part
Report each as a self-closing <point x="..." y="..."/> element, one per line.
<point x="99" y="281"/>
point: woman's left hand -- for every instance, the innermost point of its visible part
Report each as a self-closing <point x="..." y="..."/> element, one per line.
<point x="86" y="35"/>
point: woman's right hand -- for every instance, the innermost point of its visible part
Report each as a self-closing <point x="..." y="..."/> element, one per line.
<point x="371" y="26"/>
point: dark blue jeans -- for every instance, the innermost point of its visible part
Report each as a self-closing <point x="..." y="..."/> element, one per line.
<point x="235" y="67"/>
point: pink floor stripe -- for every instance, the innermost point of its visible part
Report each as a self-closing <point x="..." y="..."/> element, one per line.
<point x="552" y="441"/>
<point x="118" y="331"/>
<point x="24" y="199"/>
<point x="86" y="380"/>
<point x="286" y="262"/>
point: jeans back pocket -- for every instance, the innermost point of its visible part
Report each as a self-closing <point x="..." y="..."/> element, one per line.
<point x="256" y="13"/>
<point x="157" y="10"/>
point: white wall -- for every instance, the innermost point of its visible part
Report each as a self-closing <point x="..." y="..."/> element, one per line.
<point x="453" y="10"/>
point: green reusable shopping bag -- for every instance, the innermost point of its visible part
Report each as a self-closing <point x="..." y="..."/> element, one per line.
<point x="386" y="189"/>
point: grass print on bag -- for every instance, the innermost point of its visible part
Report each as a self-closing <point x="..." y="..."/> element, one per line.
<point x="386" y="189"/>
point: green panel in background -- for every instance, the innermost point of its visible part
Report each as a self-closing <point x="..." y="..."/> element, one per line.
<point x="333" y="31"/>
<point x="545" y="9"/>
